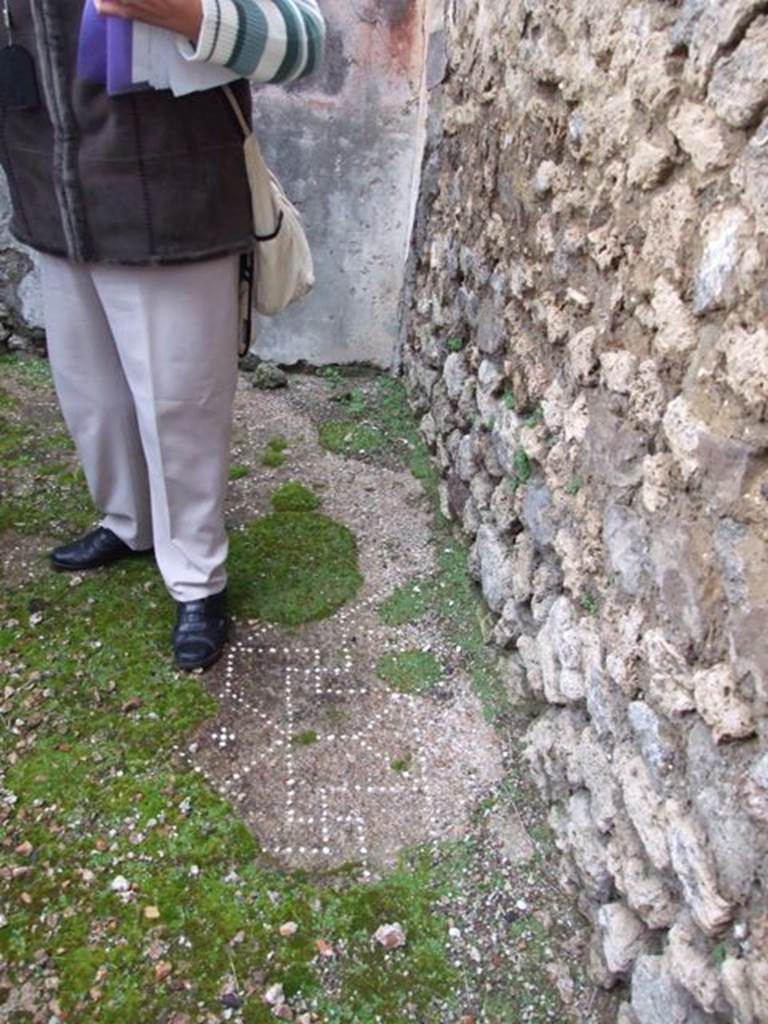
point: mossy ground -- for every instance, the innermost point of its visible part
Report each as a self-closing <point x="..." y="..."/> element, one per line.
<point x="410" y="671"/>
<point x="94" y="788"/>
<point x="41" y="484"/>
<point x="373" y="419"/>
<point x="274" y="452"/>
<point x="94" y="785"/>
<point x="302" y="565"/>
<point x="375" y="422"/>
<point x="451" y="594"/>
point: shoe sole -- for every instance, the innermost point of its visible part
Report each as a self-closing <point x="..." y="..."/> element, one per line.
<point x="205" y="663"/>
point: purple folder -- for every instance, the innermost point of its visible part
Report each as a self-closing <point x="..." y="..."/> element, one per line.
<point x="105" y="51"/>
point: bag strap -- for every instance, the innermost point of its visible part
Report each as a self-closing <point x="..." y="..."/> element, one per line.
<point x="247" y="130"/>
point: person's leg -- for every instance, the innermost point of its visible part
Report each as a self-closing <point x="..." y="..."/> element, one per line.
<point x="95" y="400"/>
<point x="176" y="331"/>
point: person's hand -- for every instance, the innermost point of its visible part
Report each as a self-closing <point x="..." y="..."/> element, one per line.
<point x="182" y="16"/>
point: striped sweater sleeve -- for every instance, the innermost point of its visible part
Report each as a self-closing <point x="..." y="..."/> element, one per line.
<point x="264" y="40"/>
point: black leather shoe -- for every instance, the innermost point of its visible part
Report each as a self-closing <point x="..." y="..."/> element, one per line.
<point x="99" y="547"/>
<point x="201" y="631"/>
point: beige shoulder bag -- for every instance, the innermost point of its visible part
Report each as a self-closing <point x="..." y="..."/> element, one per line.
<point x="284" y="271"/>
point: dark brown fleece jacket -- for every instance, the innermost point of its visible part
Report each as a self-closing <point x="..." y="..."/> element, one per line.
<point x="135" y="179"/>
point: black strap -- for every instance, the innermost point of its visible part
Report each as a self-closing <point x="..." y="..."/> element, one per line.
<point x="246" y="277"/>
<point x="275" y="233"/>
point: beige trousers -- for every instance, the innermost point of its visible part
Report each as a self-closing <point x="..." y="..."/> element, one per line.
<point x="144" y="362"/>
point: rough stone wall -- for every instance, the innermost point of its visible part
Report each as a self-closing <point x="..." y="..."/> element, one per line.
<point x="586" y="343"/>
<point x="21" y="314"/>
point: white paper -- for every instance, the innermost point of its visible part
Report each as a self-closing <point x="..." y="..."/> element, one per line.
<point x="157" y="60"/>
<point x="140" y="68"/>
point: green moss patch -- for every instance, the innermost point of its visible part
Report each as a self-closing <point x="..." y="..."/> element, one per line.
<point x="293" y="567"/>
<point x="377" y="421"/>
<point x="348" y="437"/>
<point x="454" y="598"/>
<point x="522" y="469"/>
<point x="100" y="796"/>
<point x="238" y="470"/>
<point x="278" y="443"/>
<point x="274" y="451"/>
<point x="408" y="603"/>
<point x="410" y="671"/>
<point x="304" y="739"/>
<point x="131" y="892"/>
<point x="402" y="764"/>
<point x="294" y="497"/>
<point x="272" y="458"/>
<point x="31" y="372"/>
<point x="43" y="489"/>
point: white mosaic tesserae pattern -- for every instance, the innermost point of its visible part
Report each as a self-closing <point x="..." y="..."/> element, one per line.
<point x="327" y="764"/>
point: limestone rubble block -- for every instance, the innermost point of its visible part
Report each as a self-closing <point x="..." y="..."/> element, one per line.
<point x="745" y="984"/>
<point x="559" y="650"/>
<point x="617" y="370"/>
<point x="605" y="703"/>
<point x="702" y="135"/>
<point x="695" y="869"/>
<point x="585" y="844"/>
<point x="544" y="177"/>
<point x="727" y="260"/>
<point x="738" y="846"/>
<point x="576" y="420"/>
<point x="658" y="999"/>
<point x="615" y="450"/>
<point x="645" y="808"/>
<point x="497" y="568"/>
<point x="625" y="536"/>
<point x="755" y="789"/>
<point x="676" y="330"/>
<point x="656" y="741"/>
<point x="623" y="934"/>
<point x="683" y="430"/>
<point x="710" y="29"/>
<point x="649" y="162"/>
<point x="658" y="481"/>
<point x="455" y="373"/>
<point x="670" y="682"/>
<point x="720" y="704"/>
<point x="647" y="892"/>
<point x="750" y="176"/>
<point x="594" y="770"/>
<point x="624" y="651"/>
<point x="669" y="227"/>
<point x="746" y="355"/>
<point x="523" y="559"/>
<point x="738" y="89"/>
<point x="647" y="396"/>
<point x="546" y="742"/>
<point x="692" y="965"/>
<point x="581" y="351"/>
